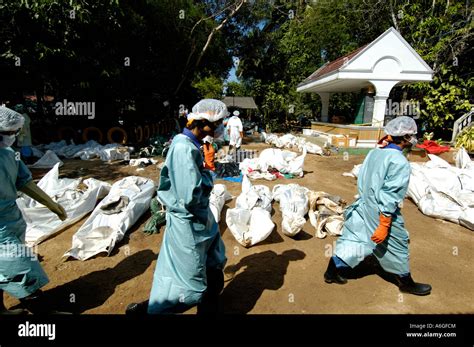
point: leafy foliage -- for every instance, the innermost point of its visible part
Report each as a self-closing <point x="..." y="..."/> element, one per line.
<point x="441" y="32"/>
<point x="209" y="87"/>
<point x="115" y="53"/>
<point x="180" y="50"/>
<point x="466" y="139"/>
<point x="277" y="52"/>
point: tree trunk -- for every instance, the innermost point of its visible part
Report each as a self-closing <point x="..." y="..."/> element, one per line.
<point x="187" y="67"/>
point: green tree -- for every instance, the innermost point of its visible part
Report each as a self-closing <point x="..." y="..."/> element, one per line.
<point x="209" y="87"/>
<point x="236" y="89"/>
<point x="441" y="32"/>
<point x="116" y="53"/>
<point x="277" y="52"/>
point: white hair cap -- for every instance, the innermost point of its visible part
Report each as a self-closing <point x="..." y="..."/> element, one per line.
<point x="236" y="113"/>
<point x="401" y="126"/>
<point x="210" y="109"/>
<point x="10" y="120"/>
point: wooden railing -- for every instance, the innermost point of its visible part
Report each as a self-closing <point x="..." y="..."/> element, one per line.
<point x="461" y="123"/>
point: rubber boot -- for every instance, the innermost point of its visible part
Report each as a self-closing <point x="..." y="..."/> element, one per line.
<point x="36" y="303"/>
<point x="210" y="300"/>
<point x="407" y="285"/>
<point x="333" y="274"/>
<point x="137" y="308"/>
<point x="5" y="311"/>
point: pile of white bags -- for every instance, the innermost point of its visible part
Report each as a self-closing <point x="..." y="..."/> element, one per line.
<point x="41" y="222"/>
<point x="291" y="141"/>
<point x="326" y="214"/>
<point x="89" y="150"/>
<point x="293" y="200"/>
<point x="126" y="202"/>
<point x="217" y="200"/>
<point x="444" y="191"/>
<point x="250" y="221"/>
<point x="286" y="162"/>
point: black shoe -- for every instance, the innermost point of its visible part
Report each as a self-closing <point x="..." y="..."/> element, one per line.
<point x="13" y="312"/>
<point x="137" y="308"/>
<point x="333" y="274"/>
<point x="36" y="303"/>
<point x="407" y="285"/>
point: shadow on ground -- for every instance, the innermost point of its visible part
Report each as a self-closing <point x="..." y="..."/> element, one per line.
<point x="263" y="271"/>
<point x="93" y="289"/>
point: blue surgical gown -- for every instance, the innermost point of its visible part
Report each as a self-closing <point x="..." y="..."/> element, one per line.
<point x="191" y="242"/>
<point x="382" y="185"/>
<point x="20" y="272"/>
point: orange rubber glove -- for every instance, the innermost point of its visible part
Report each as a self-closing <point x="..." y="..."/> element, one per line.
<point x="209" y="153"/>
<point x="381" y="233"/>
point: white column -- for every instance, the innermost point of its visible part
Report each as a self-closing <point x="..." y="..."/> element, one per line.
<point x="382" y="91"/>
<point x="380" y="105"/>
<point x="325" y="106"/>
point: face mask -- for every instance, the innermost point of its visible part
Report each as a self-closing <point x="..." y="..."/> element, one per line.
<point x="413" y="140"/>
<point x="7" y="140"/>
<point x="208" y="139"/>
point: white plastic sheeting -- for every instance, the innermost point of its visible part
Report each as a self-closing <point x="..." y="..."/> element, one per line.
<point x="127" y="201"/>
<point x="325" y="214"/>
<point x="41" y="222"/>
<point x="248" y="166"/>
<point x="294" y="206"/>
<point x="283" y="161"/>
<point x="463" y="161"/>
<point x="444" y="191"/>
<point x="217" y="200"/>
<point x="36" y="152"/>
<point x="89" y="150"/>
<point x="146" y="161"/>
<point x="47" y="161"/>
<point x="256" y="175"/>
<point x="250" y="221"/>
<point x="286" y="162"/>
<point x="292" y="141"/>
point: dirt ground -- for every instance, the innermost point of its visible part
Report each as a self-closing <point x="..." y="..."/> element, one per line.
<point x="280" y="275"/>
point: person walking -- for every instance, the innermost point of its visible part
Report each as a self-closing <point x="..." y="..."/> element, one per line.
<point x="192" y="257"/>
<point x="374" y="225"/>
<point x="235" y="130"/>
<point x="21" y="274"/>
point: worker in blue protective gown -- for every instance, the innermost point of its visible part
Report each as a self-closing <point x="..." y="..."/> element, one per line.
<point x="374" y="225"/>
<point x="190" y="264"/>
<point x="24" y="140"/>
<point x="21" y="275"/>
